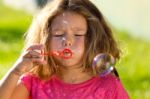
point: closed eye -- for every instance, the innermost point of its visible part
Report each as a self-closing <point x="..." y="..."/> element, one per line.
<point x="79" y="35"/>
<point x="58" y="35"/>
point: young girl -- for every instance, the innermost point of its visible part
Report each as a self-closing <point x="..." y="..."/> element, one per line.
<point x="58" y="56"/>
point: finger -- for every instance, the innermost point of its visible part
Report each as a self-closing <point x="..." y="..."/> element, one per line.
<point x="32" y="54"/>
<point x="38" y="61"/>
<point x="40" y="48"/>
<point x="36" y="47"/>
<point x="36" y="52"/>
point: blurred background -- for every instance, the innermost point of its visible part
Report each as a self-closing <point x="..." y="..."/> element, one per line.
<point x="129" y="19"/>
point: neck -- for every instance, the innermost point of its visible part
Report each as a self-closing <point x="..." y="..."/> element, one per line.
<point x="74" y="75"/>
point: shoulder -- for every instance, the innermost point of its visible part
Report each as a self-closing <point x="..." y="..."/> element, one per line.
<point x="113" y="87"/>
<point x="23" y="87"/>
<point x="108" y="81"/>
<point x="29" y="76"/>
<point x="28" y="79"/>
<point x="33" y="81"/>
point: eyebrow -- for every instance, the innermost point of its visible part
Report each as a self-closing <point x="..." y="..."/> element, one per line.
<point x="73" y="28"/>
<point x="78" y="28"/>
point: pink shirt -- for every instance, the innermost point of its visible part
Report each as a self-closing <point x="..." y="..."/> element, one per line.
<point x="108" y="87"/>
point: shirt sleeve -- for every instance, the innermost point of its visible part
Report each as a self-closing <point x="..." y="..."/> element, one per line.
<point x="120" y="92"/>
<point x="26" y="80"/>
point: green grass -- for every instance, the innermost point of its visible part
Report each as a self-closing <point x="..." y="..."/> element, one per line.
<point x="13" y="24"/>
<point x="133" y="66"/>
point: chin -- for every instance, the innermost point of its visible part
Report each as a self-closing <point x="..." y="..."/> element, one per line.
<point x="70" y="64"/>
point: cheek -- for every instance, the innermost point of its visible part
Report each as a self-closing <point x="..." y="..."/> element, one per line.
<point x="55" y="43"/>
<point x="79" y="44"/>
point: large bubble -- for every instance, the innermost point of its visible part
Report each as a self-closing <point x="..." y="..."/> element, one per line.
<point x="103" y="64"/>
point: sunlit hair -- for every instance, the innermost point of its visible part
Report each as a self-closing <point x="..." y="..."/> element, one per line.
<point x="99" y="38"/>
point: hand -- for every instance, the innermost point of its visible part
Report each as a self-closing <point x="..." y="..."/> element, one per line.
<point x="29" y="59"/>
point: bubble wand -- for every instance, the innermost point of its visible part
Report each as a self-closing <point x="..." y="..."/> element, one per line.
<point x="66" y="53"/>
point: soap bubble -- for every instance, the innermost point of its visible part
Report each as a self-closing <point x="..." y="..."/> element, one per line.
<point x="103" y="64"/>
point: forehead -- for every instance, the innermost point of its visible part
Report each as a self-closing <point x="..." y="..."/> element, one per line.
<point x="69" y="19"/>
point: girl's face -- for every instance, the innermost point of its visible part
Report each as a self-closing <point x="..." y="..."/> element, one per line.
<point x="68" y="32"/>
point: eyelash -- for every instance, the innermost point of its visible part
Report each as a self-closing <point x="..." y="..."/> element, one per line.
<point x="78" y="35"/>
<point x="58" y="35"/>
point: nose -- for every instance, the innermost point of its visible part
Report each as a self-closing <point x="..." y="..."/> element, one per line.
<point x="67" y="40"/>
